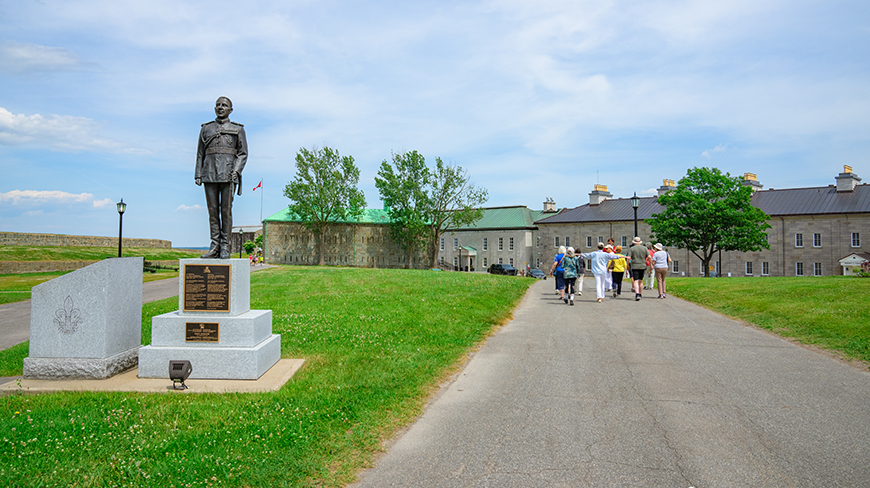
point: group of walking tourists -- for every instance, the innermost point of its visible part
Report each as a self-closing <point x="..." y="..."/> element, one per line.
<point x="608" y="266"/>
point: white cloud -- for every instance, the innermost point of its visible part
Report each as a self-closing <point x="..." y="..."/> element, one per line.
<point x="16" y="57"/>
<point x="709" y="152"/>
<point x="103" y="203"/>
<point x="186" y="208"/>
<point x="34" y="197"/>
<point x="57" y="132"/>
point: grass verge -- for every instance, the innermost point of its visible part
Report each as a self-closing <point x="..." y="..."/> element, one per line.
<point x="376" y="344"/>
<point x="828" y="312"/>
<point x="16" y="287"/>
<point x="65" y="253"/>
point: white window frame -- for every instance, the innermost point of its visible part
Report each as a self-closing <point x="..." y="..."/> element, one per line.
<point x="748" y="266"/>
<point x="856" y="239"/>
<point x="589" y="241"/>
<point x="511" y="261"/>
<point x="485" y="245"/>
<point x="556" y="242"/>
<point x="501" y="243"/>
<point x="623" y="241"/>
<point x="799" y="269"/>
<point x="442" y="243"/>
<point x="510" y="243"/>
<point x="765" y="268"/>
<point x="537" y="241"/>
<point x="817" y="269"/>
<point x="676" y="266"/>
<point x="798" y="240"/>
<point x="484" y="263"/>
<point x="817" y="239"/>
<point x="567" y="241"/>
<point x="455" y="262"/>
<point x="500" y="261"/>
<point x="601" y="240"/>
<point x="455" y="243"/>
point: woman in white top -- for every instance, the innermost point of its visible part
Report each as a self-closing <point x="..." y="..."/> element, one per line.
<point x="661" y="261"/>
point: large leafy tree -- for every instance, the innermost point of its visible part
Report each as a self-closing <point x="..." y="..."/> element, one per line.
<point x="453" y="201"/>
<point x="324" y="190"/>
<point x="402" y="186"/>
<point x="707" y="212"/>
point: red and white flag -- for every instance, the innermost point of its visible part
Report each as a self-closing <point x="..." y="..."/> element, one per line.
<point x="259" y="185"/>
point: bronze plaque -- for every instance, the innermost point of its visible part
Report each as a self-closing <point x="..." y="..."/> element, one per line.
<point x="206" y="288"/>
<point x="201" y="332"/>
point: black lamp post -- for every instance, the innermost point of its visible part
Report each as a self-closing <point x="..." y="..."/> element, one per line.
<point x="122" y="207"/>
<point x="635" y="202"/>
<point x="240" y="243"/>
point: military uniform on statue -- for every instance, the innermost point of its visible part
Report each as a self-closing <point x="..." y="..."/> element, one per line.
<point x="221" y="154"/>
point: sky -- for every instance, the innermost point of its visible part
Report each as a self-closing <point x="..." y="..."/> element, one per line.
<point x="102" y="100"/>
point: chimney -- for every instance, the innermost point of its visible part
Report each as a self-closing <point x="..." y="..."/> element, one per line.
<point x="599" y="194"/>
<point x="667" y="185"/>
<point x="847" y="180"/>
<point x="549" y="205"/>
<point x="751" y="180"/>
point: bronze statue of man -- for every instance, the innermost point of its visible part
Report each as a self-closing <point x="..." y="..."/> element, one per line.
<point x="221" y="153"/>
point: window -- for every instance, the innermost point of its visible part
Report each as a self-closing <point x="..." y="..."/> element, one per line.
<point x="766" y="239"/>
<point x="442" y="243"/>
<point x="798" y="240"/>
<point x="539" y="263"/>
<point x="511" y="261"/>
<point x="799" y="269"/>
<point x="600" y="239"/>
<point x="856" y="239"/>
<point x="442" y="260"/>
<point x="765" y="268"/>
<point x="588" y="241"/>
<point x="501" y="243"/>
<point x="538" y="241"/>
<point x="555" y="242"/>
<point x="676" y="266"/>
<point x="484" y="246"/>
<point x="817" y="269"/>
<point x="749" y="267"/>
<point x="500" y="261"/>
<point x="511" y="243"/>
<point x="817" y="240"/>
<point x="588" y="264"/>
<point x="455" y="243"/>
<point x="701" y="267"/>
<point x="455" y="262"/>
<point x="567" y="241"/>
<point x="484" y="263"/>
<point x="623" y="241"/>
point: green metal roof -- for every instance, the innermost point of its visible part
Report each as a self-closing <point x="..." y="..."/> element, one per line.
<point x="369" y="216"/>
<point x="518" y="217"/>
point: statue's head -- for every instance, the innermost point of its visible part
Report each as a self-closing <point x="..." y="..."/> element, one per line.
<point x="223" y="107"/>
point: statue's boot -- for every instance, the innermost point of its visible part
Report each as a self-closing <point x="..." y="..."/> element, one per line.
<point x="212" y="253"/>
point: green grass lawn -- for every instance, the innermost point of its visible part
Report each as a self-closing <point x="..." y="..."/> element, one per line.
<point x="830" y="312"/>
<point x="16" y="287"/>
<point x="376" y="342"/>
<point x="69" y="253"/>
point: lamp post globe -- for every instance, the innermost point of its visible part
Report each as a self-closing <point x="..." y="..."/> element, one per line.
<point x="635" y="202"/>
<point x="122" y="207"/>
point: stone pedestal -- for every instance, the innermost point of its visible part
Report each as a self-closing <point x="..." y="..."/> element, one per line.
<point x="214" y="327"/>
<point x="88" y="323"/>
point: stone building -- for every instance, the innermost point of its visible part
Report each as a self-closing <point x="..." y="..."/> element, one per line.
<point x="242" y="234"/>
<point x="811" y="228"/>
<point x="504" y="235"/>
<point x="364" y="242"/>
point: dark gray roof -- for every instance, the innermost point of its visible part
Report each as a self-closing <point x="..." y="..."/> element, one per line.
<point x="794" y="201"/>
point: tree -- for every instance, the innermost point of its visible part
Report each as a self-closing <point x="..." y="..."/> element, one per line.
<point x="249" y="246"/>
<point x="452" y="201"/>
<point x="402" y="187"/>
<point x="707" y="212"/>
<point x="324" y="191"/>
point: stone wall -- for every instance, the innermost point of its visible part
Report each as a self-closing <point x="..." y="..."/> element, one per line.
<point x="357" y="245"/>
<point x="23" y="239"/>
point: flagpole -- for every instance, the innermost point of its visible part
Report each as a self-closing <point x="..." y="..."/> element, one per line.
<point x="261" y="202"/>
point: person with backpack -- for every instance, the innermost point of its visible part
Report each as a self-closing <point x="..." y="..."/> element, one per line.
<point x="557" y="271"/>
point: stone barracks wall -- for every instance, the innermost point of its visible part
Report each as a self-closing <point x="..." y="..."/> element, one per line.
<point x="22" y="239"/>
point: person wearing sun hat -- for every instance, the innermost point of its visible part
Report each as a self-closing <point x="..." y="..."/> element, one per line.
<point x="637" y="257"/>
<point x="661" y="263"/>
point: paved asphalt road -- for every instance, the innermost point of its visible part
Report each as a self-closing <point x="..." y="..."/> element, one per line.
<point x="656" y="393"/>
<point x="15" y="317"/>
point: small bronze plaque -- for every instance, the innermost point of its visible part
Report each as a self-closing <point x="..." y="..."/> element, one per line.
<point x="201" y="332"/>
<point x="206" y="288"/>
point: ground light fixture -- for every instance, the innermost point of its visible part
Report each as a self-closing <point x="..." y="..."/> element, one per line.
<point x="122" y="207"/>
<point x="178" y="372"/>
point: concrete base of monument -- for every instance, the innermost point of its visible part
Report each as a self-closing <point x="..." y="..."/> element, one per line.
<point x="272" y="380"/>
<point x="80" y="368"/>
<point x="230" y="363"/>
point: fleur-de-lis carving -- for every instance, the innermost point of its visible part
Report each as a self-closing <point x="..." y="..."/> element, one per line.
<point x="68" y="318"/>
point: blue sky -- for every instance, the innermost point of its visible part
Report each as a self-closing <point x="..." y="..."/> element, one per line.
<point x="101" y="100"/>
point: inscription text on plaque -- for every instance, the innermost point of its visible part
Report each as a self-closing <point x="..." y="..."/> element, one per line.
<point x="201" y="332"/>
<point x="207" y="288"/>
